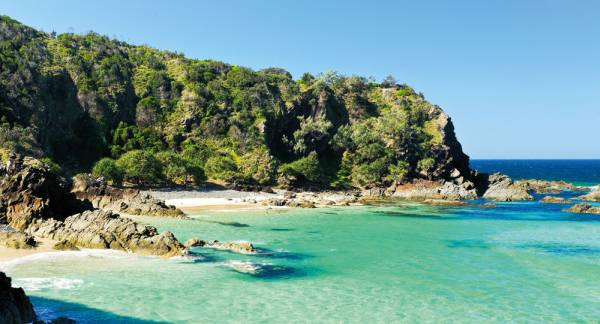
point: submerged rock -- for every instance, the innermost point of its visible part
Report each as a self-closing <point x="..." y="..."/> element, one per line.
<point x="15" y="306"/>
<point x="128" y="201"/>
<point x="100" y="229"/>
<point x="442" y="202"/>
<point x="500" y="187"/>
<point x="584" y="209"/>
<point x="555" y="200"/>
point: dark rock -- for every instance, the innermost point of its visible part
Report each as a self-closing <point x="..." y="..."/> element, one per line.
<point x="15" y="306"/>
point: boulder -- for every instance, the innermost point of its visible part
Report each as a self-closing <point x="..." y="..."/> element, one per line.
<point x="65" y="245"/>
<point x="13" y="239"/>
<point x="426" y="189"/>
<point x="194" y="242"/>
<point x="593" y="195"/>
<point x="29" y="190"/>
<point x="555" y="200"/>
<point x="15" y="306"/>
<point x="500" y="187"/>
<point x="584" y="209"/>
<point x="237" y="247"/>
<point x="127" y="201"/>
<point x="100" y="229"/>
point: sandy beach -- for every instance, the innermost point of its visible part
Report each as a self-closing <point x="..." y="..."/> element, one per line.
<point x="44" y="245"/>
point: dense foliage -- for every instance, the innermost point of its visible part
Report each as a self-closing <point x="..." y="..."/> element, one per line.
<point x="155" y="117"/>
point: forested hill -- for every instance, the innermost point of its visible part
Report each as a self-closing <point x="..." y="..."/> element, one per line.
<point x="134" y="113"/>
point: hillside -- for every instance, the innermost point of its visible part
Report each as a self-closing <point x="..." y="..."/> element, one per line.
<point x="150" y="117"/>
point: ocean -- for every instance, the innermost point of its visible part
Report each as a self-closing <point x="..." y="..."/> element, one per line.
<point x="401" y="262"/>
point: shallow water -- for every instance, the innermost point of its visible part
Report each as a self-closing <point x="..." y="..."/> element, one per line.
<point x="407" y="262"/>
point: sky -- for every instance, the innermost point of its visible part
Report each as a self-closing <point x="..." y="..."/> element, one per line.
<point x="520" y="79"/>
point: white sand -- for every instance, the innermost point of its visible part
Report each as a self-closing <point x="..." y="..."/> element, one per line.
<point x="44" y="245"/>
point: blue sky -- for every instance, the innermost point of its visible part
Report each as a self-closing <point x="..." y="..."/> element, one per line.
<point x="521" y="79"/>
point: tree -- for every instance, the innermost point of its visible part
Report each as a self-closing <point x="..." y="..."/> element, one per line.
<point x="178" y="170"/>
<point x="306" y="169"/>
<point x="389" y="82"/>
<point x="140" y="167"/>
<point x="108" y="169"/>
<point x="222" y="167"/>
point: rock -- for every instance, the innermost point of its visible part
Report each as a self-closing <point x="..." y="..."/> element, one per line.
<point x="61" y="320"/>
<point x="65" y="245"/>
<point x="593" y="195"/>
<point x="426" y="189"/>
<point x="500" y="187"/>
<point x="15" y="306"/>
<point x="100" y="229"/>
<point x="194" y="242"/>
<point x="29" y="190"/>
<point x="238" y="247"/>
<point x="584" y="209"/>
<point x="546" y="187"/>
<point x="555" y="200"/>
<point x="442" y="202"/>
<point x="488" y="205"/>
<point x="127" y="201"/>
<point x="13" y="239"/>
<point x="275" y="202"/>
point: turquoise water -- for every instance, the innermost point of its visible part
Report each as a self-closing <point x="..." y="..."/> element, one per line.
<point x="397" y="263"/>
<point x="518" y="262"/>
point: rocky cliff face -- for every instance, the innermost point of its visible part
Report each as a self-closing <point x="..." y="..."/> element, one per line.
<point x="15" y="307"/>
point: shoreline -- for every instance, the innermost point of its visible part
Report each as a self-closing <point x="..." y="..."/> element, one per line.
<point x="45" y="245"/>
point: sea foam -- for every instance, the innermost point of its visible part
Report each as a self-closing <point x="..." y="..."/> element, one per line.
<point x="37" y="284"/>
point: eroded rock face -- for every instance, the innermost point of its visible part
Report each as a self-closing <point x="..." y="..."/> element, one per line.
<point x="15" y="306"/>
<point x="128" y="201"/>
<point x="593" y="195"/>
<point x="29" y="190"/>
<point x="101" y="229"/>
<point x="500" y="187"/>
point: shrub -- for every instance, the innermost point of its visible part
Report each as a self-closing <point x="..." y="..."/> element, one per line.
<point x="53" y="166"/>
<point x="425" y="165"/>
<point x="180" y="171"/>
<point x="108" y="169"/>
<point x="258" y="165"/>
<point x="140" y="167"/>
<point x="398" y="171"/>
<point x="221" y="167"/>
<point x="305" y="169"/>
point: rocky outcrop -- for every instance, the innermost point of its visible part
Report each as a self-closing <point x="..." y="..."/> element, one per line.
<point x="546" y="187"/>
<point x="593" y="195"/>
<point x="36" y="202"/>
<point x="127" y="201"/>
<point x="584" y="209"/>
<point x="555" y="200"/>
<point x="65" y="245"/>
<point x="29" y="190"/>
<point x="15" y="306"/>
<point x="237" y="247"/>
<point x="309" y="199"/>
<point x="13" y="239"/>
<point x="500" y="187"/>
<point x="100" y="229"/>
<point x="423" y="189"/>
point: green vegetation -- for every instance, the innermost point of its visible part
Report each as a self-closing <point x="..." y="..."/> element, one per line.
<point x="82" y="100"/>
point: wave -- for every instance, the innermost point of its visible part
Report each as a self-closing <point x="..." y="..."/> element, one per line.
<point x="94" y="253"/>
<point x="37" y="284"/>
